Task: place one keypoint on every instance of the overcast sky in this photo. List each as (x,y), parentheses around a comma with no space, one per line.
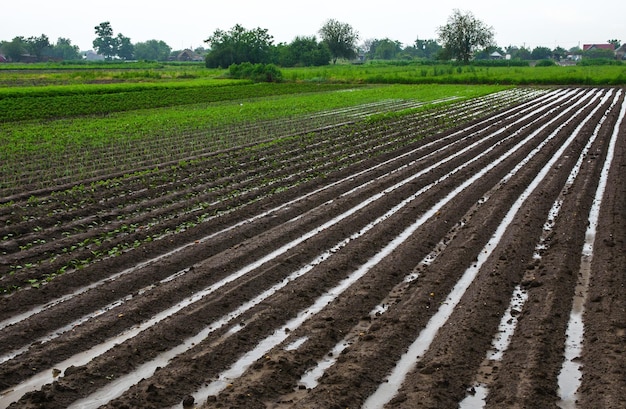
(187,23)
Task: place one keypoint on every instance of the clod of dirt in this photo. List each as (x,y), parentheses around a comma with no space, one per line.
(188,401)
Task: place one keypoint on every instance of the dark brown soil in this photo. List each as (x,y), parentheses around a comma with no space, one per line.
(265,224)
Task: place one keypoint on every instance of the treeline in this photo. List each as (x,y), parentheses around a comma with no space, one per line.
(36,49)
(256,46)
(40,49)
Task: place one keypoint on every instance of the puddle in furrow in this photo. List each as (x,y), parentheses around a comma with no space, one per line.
(296,344)
(507,325)
(477,394)
(281,334)
(569,378)
(387,390)
(60,331)
(476,397)
(310,378)
(20,317)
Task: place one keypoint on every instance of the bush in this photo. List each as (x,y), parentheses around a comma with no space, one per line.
(545,63)
(500,63)
(255,72)
(598,61)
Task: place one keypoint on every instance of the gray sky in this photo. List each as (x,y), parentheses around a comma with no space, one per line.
(187,23)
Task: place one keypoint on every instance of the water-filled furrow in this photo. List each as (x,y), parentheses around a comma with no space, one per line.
(569,378)
(476,397)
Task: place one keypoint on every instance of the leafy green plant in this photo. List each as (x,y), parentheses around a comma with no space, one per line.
(256,72)
(545,63)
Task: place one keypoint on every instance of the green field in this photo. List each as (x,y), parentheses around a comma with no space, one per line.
(458,74)
(60,119)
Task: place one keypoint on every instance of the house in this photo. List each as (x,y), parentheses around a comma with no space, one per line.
(599,50)
(3,58)
(620,53)
(588,47)
(495,55)
(91,55)
(188,55)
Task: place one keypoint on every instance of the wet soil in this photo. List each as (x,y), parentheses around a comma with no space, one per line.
(332,224)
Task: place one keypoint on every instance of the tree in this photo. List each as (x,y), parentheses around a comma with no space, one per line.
(105,44)
(38,46)
(109,46)
(559,53)
(384,49)
(426,48)
(239,45)
(152,50)
(463,34)
(541,53)
(64,50)
(616,43)
(125,49)
(15,48)
(303,52)
(340,38)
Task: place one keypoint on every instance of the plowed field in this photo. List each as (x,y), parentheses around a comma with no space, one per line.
(469,255)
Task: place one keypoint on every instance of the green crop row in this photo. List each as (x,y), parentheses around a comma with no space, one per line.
(75,147)
(71,101)
(19,75)
(233,105)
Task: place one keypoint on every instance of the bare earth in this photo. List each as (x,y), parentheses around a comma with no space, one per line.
(370,237)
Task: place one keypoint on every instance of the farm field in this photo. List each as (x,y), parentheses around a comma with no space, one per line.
(410,73)
(465,252)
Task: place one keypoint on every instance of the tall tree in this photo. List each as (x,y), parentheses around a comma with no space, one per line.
(616,43)
(106,44)
(38,46)
(559,53)
(125,49)
(15,48)
(541,53)
(152,50)
(340,38)
(303,52)
(239,45)
(427,48)
(463,34)
(384,49)
(64,50)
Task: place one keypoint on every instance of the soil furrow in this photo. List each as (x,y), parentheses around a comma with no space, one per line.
(356,264)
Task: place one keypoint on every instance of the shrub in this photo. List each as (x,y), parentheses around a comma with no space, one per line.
(255,72)
(545,63)
(599,61)
(500,63)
